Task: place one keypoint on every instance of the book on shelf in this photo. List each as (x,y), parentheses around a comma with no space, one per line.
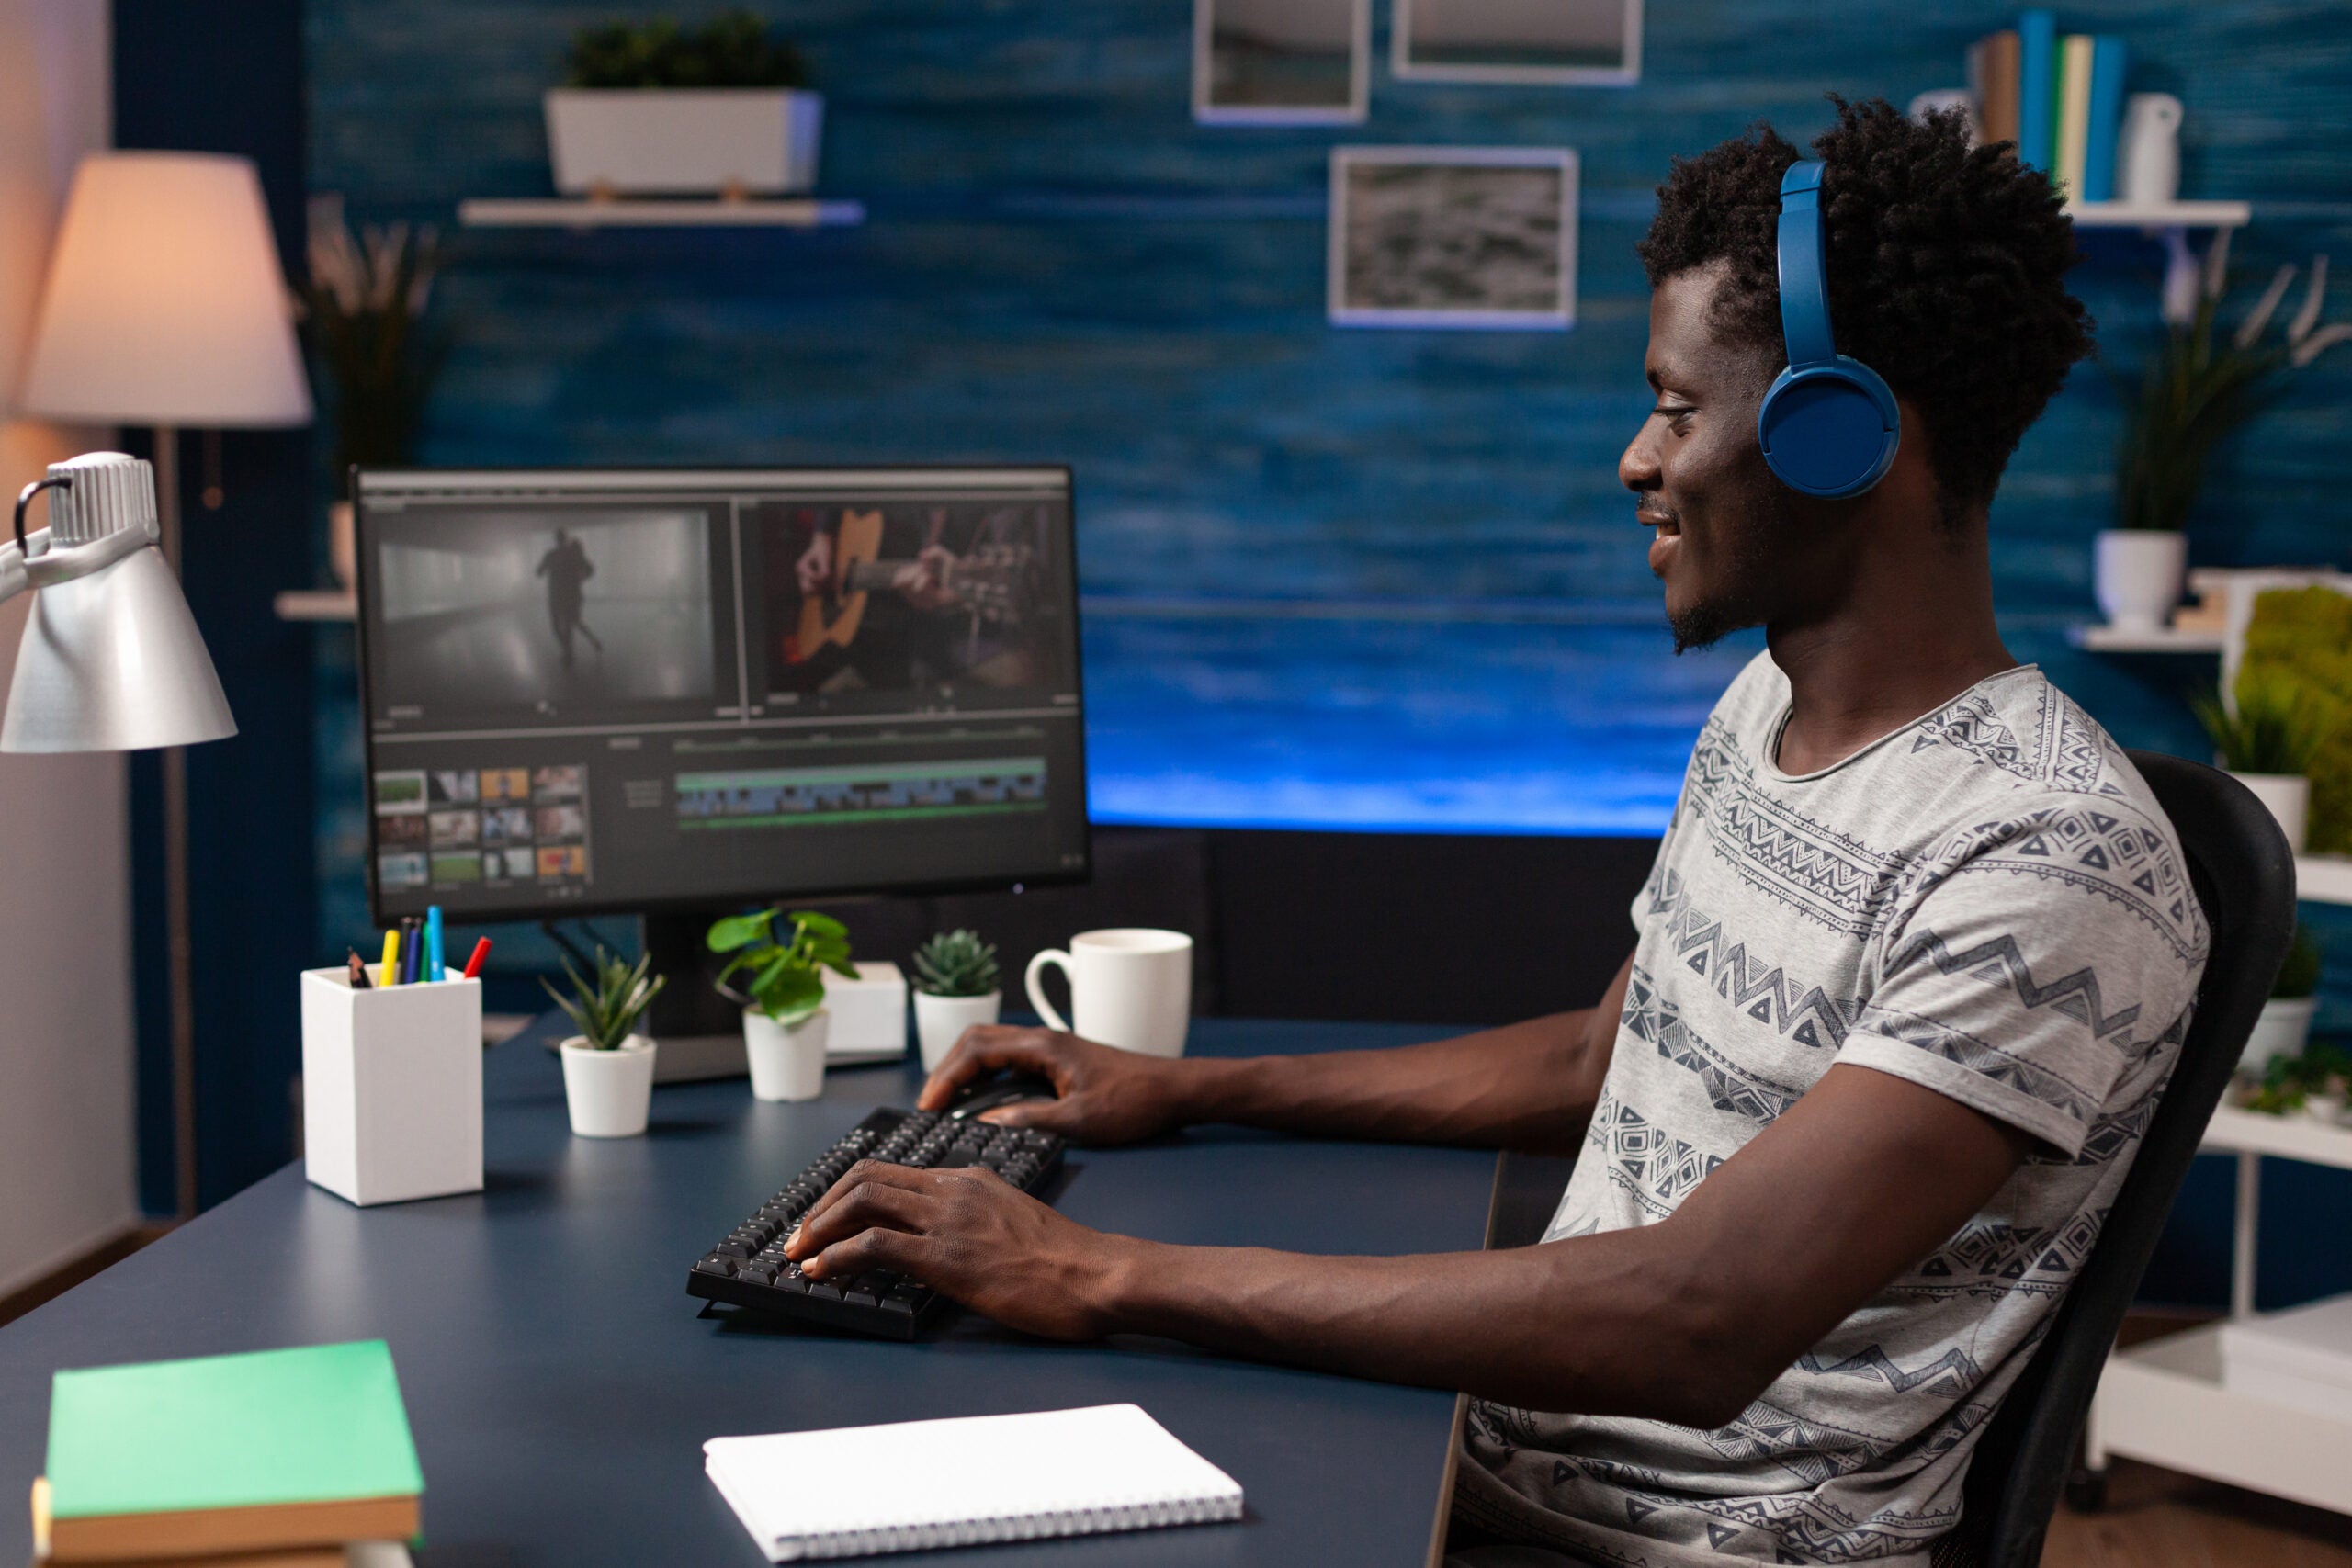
(263,1451)
(2108,61)
(2074,113)
(1993,71)
(2036,88)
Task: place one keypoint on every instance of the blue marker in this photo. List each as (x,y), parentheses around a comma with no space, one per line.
(434,970)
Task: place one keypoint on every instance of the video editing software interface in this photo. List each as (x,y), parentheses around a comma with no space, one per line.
(624,689)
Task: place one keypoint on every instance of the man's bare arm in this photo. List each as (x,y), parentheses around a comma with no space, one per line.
(1687,1320)
(1527,1086)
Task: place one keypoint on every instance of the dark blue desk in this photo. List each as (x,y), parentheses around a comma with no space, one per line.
(560,1384)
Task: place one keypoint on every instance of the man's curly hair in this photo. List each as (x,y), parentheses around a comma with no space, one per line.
(1947,268)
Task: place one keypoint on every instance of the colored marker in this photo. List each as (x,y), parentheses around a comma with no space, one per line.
(391,969)
(412,949)
(433,968)
(359,981)
(473,965)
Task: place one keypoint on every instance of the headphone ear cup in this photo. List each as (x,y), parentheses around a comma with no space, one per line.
(1829,430)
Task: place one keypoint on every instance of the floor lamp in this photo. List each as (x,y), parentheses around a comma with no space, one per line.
(166,306)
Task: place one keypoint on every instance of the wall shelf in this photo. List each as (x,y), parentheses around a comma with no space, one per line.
(317,605)
(2324,879)
(2164,639)
(2161,214)
(590,212)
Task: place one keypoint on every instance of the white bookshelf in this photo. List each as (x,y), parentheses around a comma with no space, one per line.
(2161,214)
(317,605)
(619,212)
(2164,639)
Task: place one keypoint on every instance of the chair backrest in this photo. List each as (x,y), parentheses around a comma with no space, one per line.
(2244,877)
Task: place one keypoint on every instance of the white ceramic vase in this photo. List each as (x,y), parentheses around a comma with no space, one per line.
(940,1022)
(684,140)
(2284,1026)
(609,1093)
(2136,574)
(2288,798)
(787,1061)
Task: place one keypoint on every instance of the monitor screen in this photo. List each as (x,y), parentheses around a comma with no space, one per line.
(603,690)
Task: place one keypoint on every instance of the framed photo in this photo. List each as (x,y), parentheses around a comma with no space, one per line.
(1281,62)
(1472,237)
(1566,42)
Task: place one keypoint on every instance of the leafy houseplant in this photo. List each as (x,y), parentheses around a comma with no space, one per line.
(2302,637)
(2269,743)
(957,985)
(784,995)
(654,108)
(2276,1048)
(2194,391)
(731,50)
(955,964)
(607,1070)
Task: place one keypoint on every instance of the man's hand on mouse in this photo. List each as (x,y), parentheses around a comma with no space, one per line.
(1107,1096)
(970,1233)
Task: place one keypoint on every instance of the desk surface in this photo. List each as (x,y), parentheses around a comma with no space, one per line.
(560,1385)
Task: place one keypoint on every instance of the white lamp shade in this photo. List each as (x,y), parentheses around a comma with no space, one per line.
(113,663)
(166,303)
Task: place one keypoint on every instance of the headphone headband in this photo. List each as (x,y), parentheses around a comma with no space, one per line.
(1804,272)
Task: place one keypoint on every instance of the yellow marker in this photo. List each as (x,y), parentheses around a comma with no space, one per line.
(391,970)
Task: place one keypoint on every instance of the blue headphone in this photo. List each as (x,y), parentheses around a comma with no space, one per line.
(1829,426)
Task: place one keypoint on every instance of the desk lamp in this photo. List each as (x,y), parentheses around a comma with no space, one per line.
(166,306)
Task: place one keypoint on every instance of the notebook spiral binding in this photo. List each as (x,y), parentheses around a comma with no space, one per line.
(1141,1515)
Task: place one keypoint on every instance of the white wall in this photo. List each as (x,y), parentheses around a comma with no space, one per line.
(67,1159)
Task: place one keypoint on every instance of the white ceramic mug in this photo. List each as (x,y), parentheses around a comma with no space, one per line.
(1131,988)
(2148,159)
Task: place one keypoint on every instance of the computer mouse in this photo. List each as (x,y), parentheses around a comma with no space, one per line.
(990,1090)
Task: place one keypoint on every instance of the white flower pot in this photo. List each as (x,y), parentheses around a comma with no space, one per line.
(609,1093)
(2284,1026)
(2137,573)
(2288,798)
(787,1062)
(940,1022)
(684,140)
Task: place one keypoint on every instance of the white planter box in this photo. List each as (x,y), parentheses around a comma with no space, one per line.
(2288,797)
(786,1063)
(684,140)
(869,1015)
(2136,576)
(391,1088)
(2281,1030)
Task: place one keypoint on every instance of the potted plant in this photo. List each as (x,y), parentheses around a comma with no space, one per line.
(2286,1021)
(652,109)
(784,996)
(375,364)
(2194,393)
(2266,743)
(955,987)
(608,1066)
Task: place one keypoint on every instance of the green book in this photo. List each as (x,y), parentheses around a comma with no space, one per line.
(222,1453)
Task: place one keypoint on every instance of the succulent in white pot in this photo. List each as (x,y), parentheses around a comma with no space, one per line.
(2265,740)
(654,109)
(957,985)
(2284,1025)
(783,995)
(608,1066)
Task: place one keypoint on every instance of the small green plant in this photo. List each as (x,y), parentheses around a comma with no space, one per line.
(2278,727)
(2299,975)
(2288,1082)
(784,983)
(363,316)
(955,964)
(607,1008)
(731,50)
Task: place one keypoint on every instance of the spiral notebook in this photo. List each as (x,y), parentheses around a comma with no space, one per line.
(964,1482)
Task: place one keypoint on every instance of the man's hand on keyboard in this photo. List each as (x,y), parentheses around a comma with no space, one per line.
(1107,1096)
(971,1234)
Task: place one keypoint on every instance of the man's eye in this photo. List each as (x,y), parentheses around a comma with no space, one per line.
(1673,412)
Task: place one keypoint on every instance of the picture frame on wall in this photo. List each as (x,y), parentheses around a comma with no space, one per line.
(1471,238)
(1568,43)
(1281,61)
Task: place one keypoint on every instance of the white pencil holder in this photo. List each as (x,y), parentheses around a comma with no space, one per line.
(391,1088)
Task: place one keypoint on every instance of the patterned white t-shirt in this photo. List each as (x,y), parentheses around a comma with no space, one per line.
(1989,902)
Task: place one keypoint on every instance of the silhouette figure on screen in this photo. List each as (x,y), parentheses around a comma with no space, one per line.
(567,569)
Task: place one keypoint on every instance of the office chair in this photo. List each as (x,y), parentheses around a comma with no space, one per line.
(2244,877)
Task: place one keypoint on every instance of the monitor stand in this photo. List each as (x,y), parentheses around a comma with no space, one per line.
(698,1032)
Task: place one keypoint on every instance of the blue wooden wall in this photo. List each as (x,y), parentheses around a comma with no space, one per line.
(1332,578)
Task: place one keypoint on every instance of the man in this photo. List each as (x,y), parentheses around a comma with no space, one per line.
(567,569)
(1913,966)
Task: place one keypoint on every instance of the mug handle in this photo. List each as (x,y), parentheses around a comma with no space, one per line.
(1029,982)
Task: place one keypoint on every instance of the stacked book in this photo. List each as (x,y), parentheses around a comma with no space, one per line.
(2058,96)
(282,1458)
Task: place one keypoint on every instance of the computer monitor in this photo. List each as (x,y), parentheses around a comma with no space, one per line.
(687,690)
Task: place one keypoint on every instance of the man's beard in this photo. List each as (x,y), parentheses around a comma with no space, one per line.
(1749,570)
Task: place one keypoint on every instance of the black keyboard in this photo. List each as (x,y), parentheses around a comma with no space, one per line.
(748,1268)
